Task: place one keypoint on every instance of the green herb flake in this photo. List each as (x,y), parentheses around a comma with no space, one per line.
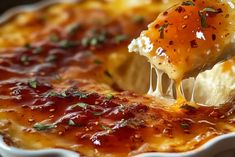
(82,105)
(33,84)
(161,29)
(184,125)
(94,42)
(58,78)
(54,38)
(138,19)
(37,50)
(98,62)
(80,95)
(85,42)
(109,96)
(63,94)
(51,58)
(67,44)
(121,108)
(96,39)
(105,128)
(102,37)
(98,113)
(24,59)
(43,127)
(73,29)
(28,46)
(188,3)
(71,122)
(52,94)
(120,38)
(202,16)
(211,10)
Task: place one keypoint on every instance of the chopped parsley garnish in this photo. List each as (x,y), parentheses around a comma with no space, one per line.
(85,42)
(42,127)
(96,61)
(98,113)
(33,84)
(67,93)
(71,122)
(184,125)
(188,3)
(74,28)
(24,59)
(51,58)
(51,94)
(105,128)
(54,38)
(120,38)
(109,96)
(37,50)
(202,15)
(211,10)
(58,77)
(81,105)
(138,19)
(79,94)
(63,94)
(102,37)
(95,39)
(67,44)
(161,29)
(121,108)
(28,46)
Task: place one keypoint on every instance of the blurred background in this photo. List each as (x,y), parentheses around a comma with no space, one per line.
(6,4)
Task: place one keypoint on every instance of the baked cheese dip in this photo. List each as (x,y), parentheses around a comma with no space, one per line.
(68,81)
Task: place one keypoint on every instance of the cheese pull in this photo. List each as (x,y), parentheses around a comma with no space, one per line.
(189,38)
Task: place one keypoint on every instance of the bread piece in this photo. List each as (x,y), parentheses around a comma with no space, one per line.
(189,37)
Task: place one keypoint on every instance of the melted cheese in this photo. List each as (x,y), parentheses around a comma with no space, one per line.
(187,39)
(75,95)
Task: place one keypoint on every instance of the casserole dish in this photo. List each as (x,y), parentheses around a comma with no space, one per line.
(212,147)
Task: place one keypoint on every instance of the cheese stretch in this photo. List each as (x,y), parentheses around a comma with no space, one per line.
(186,40)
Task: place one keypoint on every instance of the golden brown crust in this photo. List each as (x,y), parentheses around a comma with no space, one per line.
(57,89)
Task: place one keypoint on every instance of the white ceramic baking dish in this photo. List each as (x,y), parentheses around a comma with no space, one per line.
(221,146)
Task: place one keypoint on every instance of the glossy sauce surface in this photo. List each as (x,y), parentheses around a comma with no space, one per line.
(56,92)
(191,36)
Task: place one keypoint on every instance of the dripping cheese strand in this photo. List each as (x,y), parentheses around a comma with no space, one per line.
(193,91)
(158,91)
(151,80)
(169,91)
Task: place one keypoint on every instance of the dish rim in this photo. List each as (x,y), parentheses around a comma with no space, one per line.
(18,152)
